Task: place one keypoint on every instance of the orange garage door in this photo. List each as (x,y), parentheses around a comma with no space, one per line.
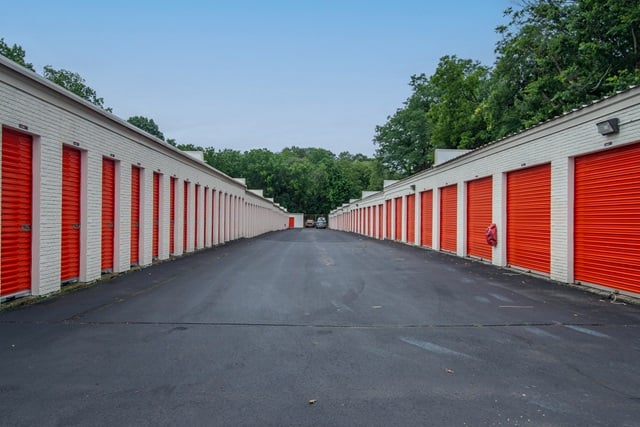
(197,217)
(70,233)
(426,218)
(529,218)
(135,216)
(479,216)
(16,213)
(411,218)
(607,218)
(108,213)
(398,202)
(172,215)
(156,216)
(185,216)
(388,224)
(292,222)
(449,218)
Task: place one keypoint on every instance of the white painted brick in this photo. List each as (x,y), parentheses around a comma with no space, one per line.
(556,142)
(54,119)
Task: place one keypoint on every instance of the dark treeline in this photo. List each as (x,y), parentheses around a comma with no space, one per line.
(553,56)
(309,180)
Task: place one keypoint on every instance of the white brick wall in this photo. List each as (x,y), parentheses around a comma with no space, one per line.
(54,118)
(556,142)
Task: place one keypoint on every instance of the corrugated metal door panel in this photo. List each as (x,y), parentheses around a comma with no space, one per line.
(398,204)
(108,213)
(529,218)
(449,218)
(411,218)
(197,217)
(172,215)
(388,231)
(220,216)
(205,203)
(374,221)
(156,215)
(70,232)
(135,215)
(292,222)
(380,230)
(426,218)
(479,216)
(15,261)
(185,216)
(369,222)
(607,218)
(213,216)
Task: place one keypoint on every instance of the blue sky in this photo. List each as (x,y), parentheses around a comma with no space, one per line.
(255,74)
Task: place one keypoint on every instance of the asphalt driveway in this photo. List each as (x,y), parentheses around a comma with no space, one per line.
(317,327)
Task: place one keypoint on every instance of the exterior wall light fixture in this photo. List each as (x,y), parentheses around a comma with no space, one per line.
(608,127)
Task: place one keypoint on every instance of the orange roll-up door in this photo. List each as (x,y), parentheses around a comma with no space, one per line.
(70,233)
(388,225)
(411,218)
(135,215)
(607,218)
(479,216)
(156,215)
(204,216)
(449,218)
(398,206)
(529,218)
(213,216)
(185,216)
(172,215)
(108,213)
(374,223)
(291,222)
(15,261)
(426,218)
(220,217)
(197,217)
(380,230)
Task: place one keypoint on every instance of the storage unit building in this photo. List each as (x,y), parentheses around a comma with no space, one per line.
(83,192)
(564,196)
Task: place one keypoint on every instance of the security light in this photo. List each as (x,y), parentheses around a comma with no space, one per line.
(608,127)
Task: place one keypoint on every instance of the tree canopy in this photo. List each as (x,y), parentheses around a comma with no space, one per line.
(74,83)
(310,180)
(553,56)
(15,53)
(147,125)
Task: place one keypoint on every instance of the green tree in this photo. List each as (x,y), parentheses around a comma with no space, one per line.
(15,53)
(404,142)
(460,89)
(147,125)
(229,161)
(74,83)
(556,55)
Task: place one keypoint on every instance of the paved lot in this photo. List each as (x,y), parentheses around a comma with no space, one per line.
(376,333)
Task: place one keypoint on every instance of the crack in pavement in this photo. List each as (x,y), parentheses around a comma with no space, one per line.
(74,321)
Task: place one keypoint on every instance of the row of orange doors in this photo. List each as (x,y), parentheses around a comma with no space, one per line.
(606,222)
(17,228)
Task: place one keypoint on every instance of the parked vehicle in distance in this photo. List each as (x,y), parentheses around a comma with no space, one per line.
(321,223)
(309,223)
